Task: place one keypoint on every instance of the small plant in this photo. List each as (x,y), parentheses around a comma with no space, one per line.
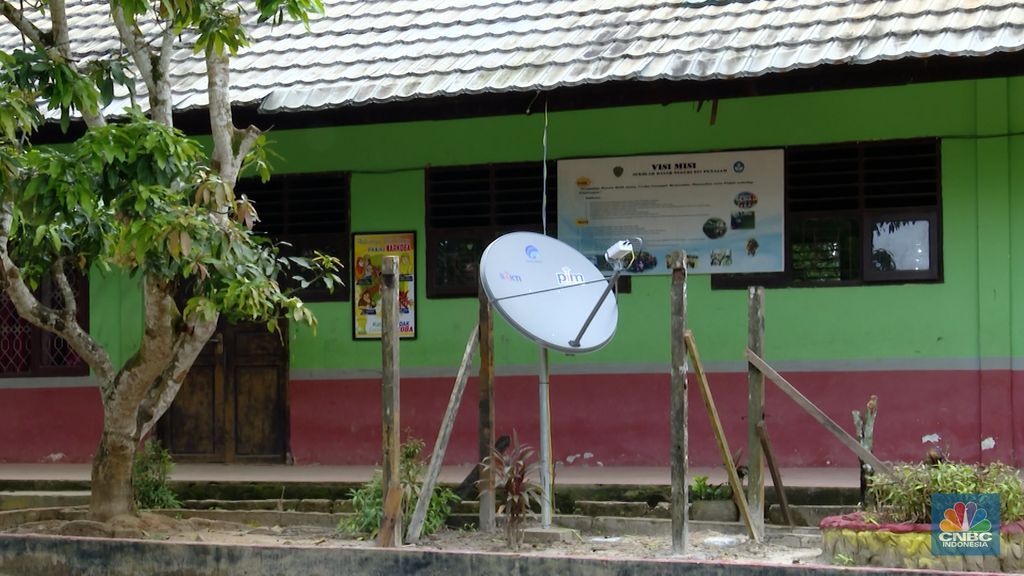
(514,472)
(701,489)
(905,495)
(368,501)
(843,560)
(150,470)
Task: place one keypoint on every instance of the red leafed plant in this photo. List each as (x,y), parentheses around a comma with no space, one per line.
(515,473)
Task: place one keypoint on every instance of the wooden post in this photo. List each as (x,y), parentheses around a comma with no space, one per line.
(755,409)
(486,383)
(441,445)
(720,439)
(391,521)
(680,449)
(865,428)
(816,413)
(769,456)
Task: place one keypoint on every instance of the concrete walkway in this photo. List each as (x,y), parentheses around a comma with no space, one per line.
(564,475)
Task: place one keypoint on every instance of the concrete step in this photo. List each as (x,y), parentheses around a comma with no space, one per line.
(808,515)
(24,499)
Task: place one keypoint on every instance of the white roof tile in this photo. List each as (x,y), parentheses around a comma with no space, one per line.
(360,52)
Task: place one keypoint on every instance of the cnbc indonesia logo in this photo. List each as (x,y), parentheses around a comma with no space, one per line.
(964,526)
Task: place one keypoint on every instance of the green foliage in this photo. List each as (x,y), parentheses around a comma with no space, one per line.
(152,467)
(368,501)
(701,489)
(514,473)
(905,494)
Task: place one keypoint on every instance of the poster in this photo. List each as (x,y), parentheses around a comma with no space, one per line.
(725,209)
(368,252)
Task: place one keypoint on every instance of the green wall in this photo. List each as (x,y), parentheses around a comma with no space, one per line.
(970,315)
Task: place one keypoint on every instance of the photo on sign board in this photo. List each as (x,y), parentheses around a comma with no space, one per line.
(715,228)
(721,257)
(742,220)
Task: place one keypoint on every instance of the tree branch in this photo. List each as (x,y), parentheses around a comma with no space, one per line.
(222,129)
(164,389)
(42,316)
(59,32)
(25,26)
(249,136)
(56,44)
(135,42)
(66,293)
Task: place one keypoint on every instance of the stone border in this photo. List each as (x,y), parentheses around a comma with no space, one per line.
(58,556)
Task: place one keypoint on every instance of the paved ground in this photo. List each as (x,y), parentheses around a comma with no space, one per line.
(571,475)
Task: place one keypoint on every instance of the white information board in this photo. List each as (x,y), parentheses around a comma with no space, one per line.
(724,208)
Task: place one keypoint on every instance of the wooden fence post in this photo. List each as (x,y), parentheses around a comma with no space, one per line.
(680,536)
(755,410)
(486,385)
(391,521)
(419,516)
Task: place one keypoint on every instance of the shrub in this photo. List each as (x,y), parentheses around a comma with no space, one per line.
(905,495)
(701,489)
(150,470)
(368,501)
(514,473)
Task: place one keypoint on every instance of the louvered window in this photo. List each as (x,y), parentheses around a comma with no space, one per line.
(308,212)
(468,207)
(858,213)
(27,351)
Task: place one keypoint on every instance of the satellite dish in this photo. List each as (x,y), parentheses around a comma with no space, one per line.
(547,290)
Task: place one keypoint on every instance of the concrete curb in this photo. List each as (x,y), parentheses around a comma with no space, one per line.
(52,556)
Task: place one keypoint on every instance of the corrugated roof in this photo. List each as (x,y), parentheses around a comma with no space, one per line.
(363,52)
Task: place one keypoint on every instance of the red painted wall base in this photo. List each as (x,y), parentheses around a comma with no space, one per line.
(607,419)
(623,420)
(49,424)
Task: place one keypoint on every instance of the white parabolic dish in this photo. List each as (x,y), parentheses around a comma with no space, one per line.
(546,290)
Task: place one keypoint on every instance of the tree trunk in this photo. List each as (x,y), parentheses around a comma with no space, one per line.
(112,492)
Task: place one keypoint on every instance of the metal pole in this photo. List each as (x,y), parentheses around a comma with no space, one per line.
(575,342)
(545,440)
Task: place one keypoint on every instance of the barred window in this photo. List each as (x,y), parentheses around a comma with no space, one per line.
(27,351)
(469,206)
(308,212)
(859,213)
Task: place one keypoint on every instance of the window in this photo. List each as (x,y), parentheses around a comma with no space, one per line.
(27,351)
(468,207)
(858,213)
(309,212)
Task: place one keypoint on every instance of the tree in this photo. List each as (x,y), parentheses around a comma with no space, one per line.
(138,195)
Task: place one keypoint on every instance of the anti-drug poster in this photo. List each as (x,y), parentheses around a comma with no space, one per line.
(725,209)
(368,252)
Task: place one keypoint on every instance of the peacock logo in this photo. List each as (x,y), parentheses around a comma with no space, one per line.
(965,517)
(965,524)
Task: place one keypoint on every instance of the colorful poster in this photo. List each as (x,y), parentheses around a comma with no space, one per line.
(725,209)
(368,252)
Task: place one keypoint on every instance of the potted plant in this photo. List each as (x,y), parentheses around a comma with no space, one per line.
(712,502)
(897,531)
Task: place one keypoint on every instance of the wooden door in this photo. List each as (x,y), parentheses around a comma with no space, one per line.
(233,404)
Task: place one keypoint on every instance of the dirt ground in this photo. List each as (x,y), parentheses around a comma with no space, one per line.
(704,545)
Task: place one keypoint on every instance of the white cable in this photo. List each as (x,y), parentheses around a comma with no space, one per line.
(544,185)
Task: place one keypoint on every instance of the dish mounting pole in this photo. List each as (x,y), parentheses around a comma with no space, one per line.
(545,439)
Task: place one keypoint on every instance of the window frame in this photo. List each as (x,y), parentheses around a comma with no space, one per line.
(863,216)
(295,180)
(39,337)
(485,234)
